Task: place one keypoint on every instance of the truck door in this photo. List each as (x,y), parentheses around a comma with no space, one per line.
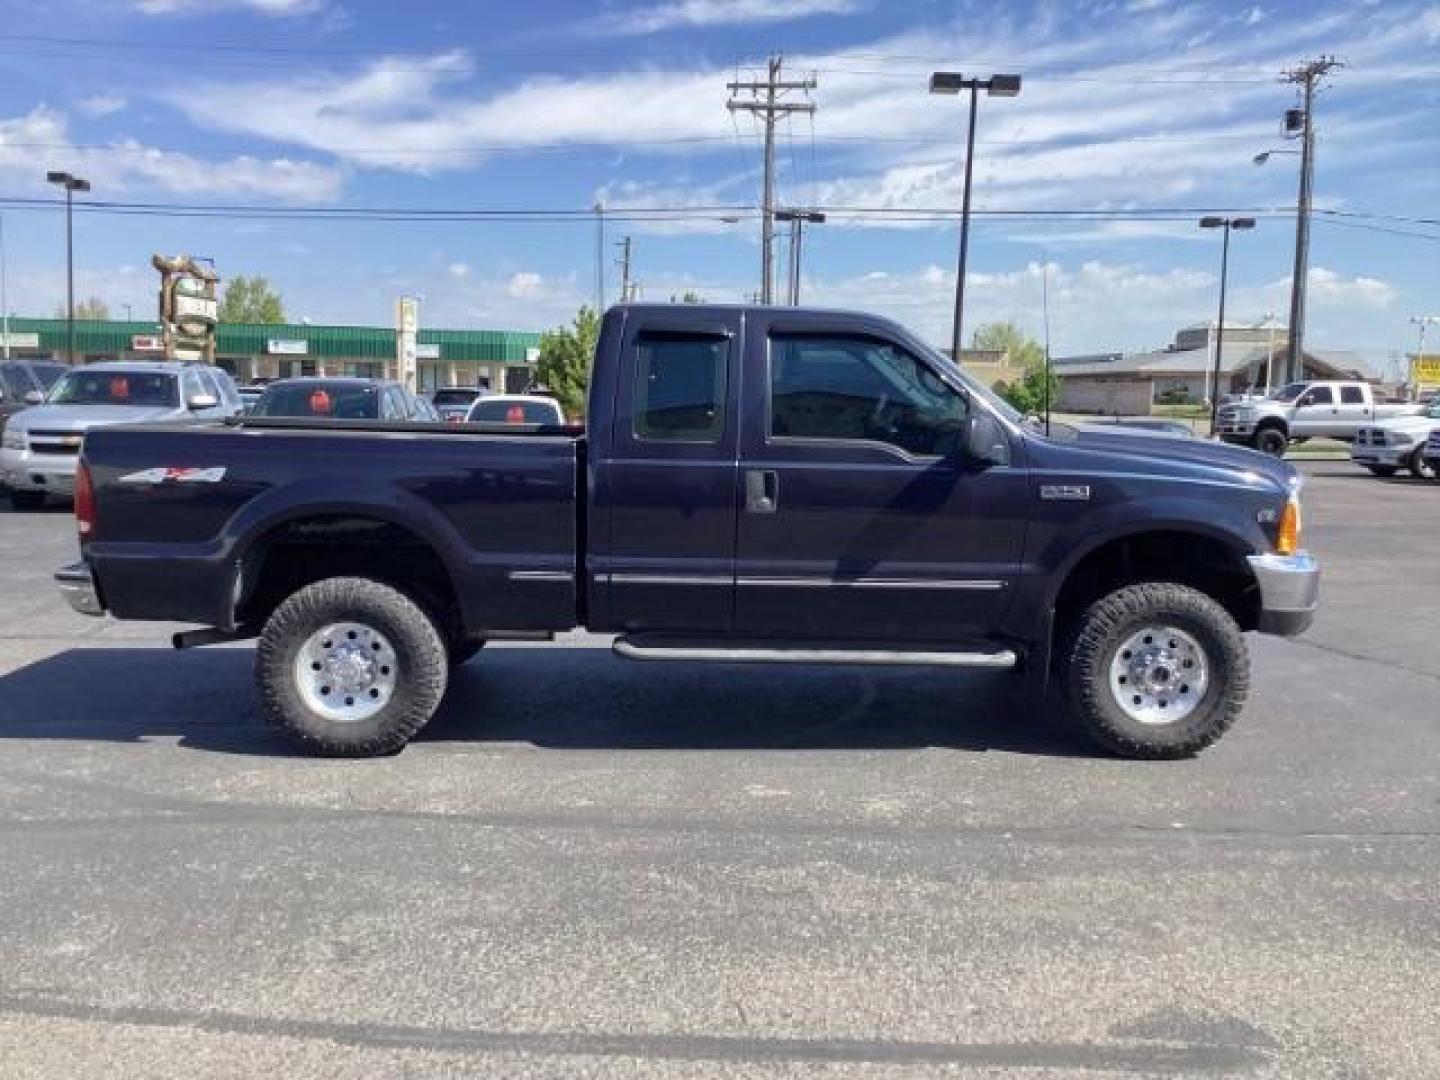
(1316,412)
(663,552)
(861,515)
(1355,410)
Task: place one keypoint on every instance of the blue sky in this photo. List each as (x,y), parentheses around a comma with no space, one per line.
(359,103)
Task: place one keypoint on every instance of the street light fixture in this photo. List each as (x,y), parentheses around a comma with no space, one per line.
(1227,224)
(1264,155)
(71,184)
(952,82)
(797,219)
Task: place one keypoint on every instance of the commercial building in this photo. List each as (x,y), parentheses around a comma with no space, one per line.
(1251,358)
(499,359)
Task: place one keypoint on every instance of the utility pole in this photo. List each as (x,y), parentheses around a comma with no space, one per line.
(1305,76)
(766,101)
(624,261)
(599,257)
(797,220)
(4,297)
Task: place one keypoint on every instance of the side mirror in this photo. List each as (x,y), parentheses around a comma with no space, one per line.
(985,440)
(197,402)
(34,397)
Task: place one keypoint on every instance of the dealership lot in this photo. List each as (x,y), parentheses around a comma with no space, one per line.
(590,867)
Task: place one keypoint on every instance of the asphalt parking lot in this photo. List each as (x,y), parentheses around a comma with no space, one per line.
(591,868)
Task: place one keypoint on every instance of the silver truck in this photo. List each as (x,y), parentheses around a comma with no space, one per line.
(1388,446)
(1320,409)
(41,445)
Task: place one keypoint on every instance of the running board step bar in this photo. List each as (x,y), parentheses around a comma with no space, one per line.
(779,654)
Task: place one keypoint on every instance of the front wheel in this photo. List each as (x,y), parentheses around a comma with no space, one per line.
(350,667)
(26,500)
(1157,670)
(1272,441)
(1419,467)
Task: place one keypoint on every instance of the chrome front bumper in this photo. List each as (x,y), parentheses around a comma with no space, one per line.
(1289,591)
(77,585)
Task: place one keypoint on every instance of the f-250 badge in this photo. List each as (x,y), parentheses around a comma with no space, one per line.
(1078,492)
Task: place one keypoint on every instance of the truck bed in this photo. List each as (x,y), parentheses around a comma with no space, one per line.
(497,503)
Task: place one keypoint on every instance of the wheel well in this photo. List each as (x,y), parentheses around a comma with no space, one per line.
(310,549)
(1271,422)
(1202,562)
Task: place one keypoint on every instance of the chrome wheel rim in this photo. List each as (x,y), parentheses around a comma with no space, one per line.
(1159,674)
(346,671)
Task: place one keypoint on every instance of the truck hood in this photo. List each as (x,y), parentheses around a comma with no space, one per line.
(1410,424)
(84,417)
(1160,449)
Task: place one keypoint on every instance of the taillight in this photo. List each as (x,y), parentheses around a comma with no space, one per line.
(84,502)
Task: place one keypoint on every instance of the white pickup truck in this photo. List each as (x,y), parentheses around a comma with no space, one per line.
(1388,446)
(1305,410)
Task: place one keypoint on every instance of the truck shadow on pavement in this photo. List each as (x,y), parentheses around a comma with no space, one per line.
(550,697)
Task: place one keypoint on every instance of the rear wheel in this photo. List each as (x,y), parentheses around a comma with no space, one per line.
(350,667)
(27,500)
(1383,470)
(1270,440)
(1419,467)
(1158,670)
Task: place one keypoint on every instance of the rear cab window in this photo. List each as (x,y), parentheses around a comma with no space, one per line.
(680,386)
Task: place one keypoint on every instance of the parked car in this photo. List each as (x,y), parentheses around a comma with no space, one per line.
(1304,410)
(40,446)
(421,409)
(1151,425)
(755,484)
(249,395)
(24,383)
(1399,443)
(453,402)
(1432,452)
(515,409)
(340,398)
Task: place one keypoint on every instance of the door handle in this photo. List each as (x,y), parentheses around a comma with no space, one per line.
(762,491)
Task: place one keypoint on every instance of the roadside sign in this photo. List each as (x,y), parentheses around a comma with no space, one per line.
(1425,370)
(147,343)
(287,347)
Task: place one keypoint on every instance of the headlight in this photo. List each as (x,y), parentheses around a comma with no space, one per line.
(14,439)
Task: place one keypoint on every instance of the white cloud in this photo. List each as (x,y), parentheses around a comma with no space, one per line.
(278,8)
(667,16)
(101,104)
(459,269)
(524,284)
(126,164)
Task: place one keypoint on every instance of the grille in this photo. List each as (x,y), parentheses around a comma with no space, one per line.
(63,443)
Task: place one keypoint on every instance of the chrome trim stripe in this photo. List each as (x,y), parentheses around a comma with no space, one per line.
(967,584)
(541,575)
(1005,658)
(669,579)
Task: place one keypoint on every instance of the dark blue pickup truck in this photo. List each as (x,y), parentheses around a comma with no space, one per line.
(753,484)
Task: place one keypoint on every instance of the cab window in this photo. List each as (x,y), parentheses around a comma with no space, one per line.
(856,388)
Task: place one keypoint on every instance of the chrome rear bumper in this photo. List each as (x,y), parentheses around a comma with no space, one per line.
(77,585)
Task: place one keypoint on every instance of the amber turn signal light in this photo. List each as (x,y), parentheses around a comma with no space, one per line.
(1287,541)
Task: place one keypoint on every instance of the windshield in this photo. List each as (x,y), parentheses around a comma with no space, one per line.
(500,411)
(1289,392)
(139,389)
(334,401)
(454,397)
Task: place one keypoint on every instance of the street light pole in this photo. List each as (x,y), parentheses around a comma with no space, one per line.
(952,82)
(71,184)
(1227,224)
(4,294)
(797,219)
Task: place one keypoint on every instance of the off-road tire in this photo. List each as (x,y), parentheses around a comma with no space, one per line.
(1383,471)
(1419,467)
(421,658)
(1096,636)
(1270,440)
(27,500)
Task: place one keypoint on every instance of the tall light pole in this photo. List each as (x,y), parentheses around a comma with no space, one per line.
(797,220)
(1269,351)
(71,184)
(1227,224)
(4,295)
(952,82)
(599,257)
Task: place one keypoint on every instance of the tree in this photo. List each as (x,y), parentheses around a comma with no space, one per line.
(565,356)
(93,308)
(1024,351)
(251,300)
(1026,393)
(692,297)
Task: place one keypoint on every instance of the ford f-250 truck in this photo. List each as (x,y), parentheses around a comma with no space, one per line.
(753,484)
(1304,410)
